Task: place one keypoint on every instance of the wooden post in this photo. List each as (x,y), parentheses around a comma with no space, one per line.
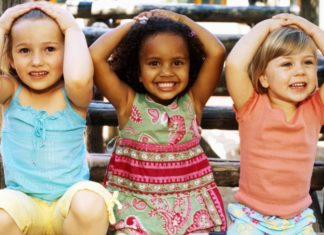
(308,9)
(94,138)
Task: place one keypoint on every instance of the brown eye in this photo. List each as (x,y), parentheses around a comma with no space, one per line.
(153,63)
(309,62)
(287,64)
(23,50)
(178,63)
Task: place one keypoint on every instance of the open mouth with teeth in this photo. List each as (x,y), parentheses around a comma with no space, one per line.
(40,74)
(166,85)
(298,85)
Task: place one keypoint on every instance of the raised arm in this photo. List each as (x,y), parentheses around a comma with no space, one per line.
(7,84)
(238,80)
(309,28)
(211,69)
(115,90)
(77,66)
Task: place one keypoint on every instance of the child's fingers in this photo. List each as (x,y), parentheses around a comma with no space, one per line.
(297,22)
(145,14)
(158,12)
(165,13)
(281,16)
(8,17)
(64,18)
(50,9)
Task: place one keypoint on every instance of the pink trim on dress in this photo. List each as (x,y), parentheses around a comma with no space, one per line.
(162,180)
(147,147)
(165,164)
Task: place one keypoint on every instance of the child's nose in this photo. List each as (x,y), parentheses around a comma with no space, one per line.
(166,70)
(37,59)
(300,68)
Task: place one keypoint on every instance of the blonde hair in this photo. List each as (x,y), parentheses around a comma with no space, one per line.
(5,67)
(281,42)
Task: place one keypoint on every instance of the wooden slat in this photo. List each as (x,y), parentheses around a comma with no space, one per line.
(226,172)
(220,117)
(104,10)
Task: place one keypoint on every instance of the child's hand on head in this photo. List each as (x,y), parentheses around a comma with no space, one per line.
(64,19)
(11,14)
(158,12)
(296,21)
(273,24)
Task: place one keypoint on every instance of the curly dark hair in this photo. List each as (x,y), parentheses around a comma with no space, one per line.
(125,59)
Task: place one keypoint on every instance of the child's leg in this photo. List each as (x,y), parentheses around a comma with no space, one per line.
(18,213)
(86,207)
(308,230)
(8,225)
(87,214)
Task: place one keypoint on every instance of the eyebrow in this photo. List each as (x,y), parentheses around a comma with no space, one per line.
(43,43)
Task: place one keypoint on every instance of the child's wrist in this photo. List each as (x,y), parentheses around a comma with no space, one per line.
(182,18)
(72,28)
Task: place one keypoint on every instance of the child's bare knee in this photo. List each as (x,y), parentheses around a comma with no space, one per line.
(7,224)
(87,205)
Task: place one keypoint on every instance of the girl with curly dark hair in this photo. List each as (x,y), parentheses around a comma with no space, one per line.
(158,71)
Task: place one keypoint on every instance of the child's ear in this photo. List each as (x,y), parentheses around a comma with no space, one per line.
(11,63)
(264,81)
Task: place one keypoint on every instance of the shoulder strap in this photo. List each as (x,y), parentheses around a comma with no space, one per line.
(17,92)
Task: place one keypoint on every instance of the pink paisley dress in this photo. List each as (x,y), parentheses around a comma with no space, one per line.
(164,179)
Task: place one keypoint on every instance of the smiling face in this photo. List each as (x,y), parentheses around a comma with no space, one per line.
(164,65)
(291,78)
(37,51)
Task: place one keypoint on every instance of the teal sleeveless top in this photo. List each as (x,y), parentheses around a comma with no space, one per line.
(43,155)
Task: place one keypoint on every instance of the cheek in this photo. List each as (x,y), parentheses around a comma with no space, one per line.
(184,74)
(147,74)
(18,64)
(58,64)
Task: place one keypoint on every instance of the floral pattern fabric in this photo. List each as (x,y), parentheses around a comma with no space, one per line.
(164,179)
(247,221)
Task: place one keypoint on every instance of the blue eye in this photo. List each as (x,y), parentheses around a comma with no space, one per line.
(50,49)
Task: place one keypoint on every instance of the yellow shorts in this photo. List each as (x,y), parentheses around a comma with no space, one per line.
(34,216)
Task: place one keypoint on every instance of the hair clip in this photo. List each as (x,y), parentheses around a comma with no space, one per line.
(192,33)
(143,20)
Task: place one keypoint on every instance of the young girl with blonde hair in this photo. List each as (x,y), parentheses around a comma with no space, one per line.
(271,75)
